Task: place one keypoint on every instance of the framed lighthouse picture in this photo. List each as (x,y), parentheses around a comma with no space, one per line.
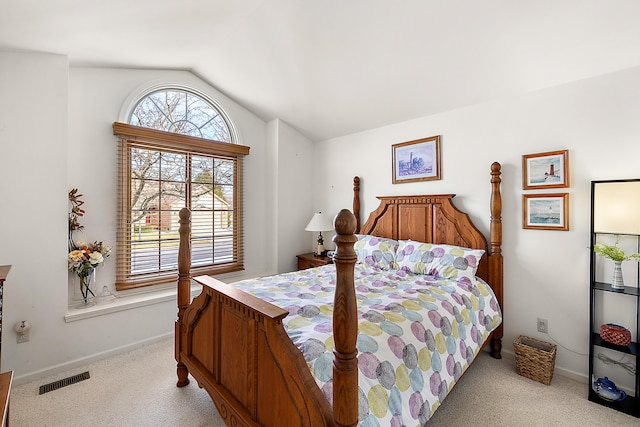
(545,170)
(545,211)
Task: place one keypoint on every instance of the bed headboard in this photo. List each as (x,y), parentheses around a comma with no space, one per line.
(430,219)
(435,219)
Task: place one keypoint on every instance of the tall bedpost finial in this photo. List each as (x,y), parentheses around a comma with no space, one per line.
(495,258)
(184,261)
(496,209)
(356,201)
(184,289)
(345,322)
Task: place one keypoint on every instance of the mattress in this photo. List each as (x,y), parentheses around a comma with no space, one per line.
(417,334)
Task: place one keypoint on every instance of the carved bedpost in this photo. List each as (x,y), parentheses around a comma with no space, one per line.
(495,259)
(345,323)
(184,288)
(356,201)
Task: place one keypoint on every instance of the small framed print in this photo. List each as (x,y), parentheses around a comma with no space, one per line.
(545,170)
(545,211)
(417,160)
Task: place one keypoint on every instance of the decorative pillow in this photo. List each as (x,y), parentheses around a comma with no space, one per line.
(376,251)
(446,261)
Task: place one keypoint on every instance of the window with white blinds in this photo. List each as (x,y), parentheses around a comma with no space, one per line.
(159,174)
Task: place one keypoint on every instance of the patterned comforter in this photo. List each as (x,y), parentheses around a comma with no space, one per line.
(417,334)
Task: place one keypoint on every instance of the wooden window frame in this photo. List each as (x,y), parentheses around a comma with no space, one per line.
(129,137)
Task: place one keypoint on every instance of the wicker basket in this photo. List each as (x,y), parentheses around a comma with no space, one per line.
(535,359)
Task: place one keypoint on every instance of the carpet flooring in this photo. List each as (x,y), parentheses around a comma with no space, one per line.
(138,388)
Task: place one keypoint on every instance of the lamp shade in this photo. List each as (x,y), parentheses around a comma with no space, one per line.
(319,222)
(617,207)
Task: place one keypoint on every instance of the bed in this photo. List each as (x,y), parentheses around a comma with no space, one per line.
(249,350)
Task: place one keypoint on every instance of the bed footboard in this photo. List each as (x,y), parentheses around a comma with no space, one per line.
(236,348)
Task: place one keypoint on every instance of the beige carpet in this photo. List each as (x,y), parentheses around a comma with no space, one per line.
(138,389)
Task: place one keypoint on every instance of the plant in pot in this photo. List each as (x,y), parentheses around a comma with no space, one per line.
(617,255)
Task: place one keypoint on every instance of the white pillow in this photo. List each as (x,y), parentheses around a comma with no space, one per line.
(445,261)
(376,251)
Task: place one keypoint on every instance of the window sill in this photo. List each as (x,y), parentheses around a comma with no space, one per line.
(129,300)
(126,302)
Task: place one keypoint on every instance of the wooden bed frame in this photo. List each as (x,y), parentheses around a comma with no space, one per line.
(235,346)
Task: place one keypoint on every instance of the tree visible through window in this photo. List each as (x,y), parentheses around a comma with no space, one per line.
(180,112)
(177,152)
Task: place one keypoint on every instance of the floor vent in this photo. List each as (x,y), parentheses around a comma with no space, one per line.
(64,382)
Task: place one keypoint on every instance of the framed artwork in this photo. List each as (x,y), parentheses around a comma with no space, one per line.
(545,211)
(545,170)
(417,160)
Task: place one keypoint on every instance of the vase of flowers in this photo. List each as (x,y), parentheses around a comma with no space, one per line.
(617,255)
(86,280)
(83,260)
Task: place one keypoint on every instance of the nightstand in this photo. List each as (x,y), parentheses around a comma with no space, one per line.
(310,261)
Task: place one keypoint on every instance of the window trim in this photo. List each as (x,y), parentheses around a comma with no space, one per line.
(193,87)
(169,140)
(128,136)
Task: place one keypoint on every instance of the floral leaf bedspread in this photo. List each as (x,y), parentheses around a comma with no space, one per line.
(417,334)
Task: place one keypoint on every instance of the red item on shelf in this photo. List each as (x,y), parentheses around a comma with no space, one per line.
(615,334)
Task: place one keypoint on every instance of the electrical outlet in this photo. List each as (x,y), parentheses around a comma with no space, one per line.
(543,325)
(23,337)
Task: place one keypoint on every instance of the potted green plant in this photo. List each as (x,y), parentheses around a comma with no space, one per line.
(617,255)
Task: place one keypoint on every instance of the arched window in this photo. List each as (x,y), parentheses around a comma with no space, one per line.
(180,111)
(177,151)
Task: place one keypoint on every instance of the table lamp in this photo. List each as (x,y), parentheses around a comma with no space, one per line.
(319,222)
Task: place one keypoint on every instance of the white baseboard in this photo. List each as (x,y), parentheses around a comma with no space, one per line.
(79,363)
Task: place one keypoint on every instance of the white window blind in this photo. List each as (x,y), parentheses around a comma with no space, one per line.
(159,174)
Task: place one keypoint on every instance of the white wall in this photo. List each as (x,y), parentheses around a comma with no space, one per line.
(546,272)
(33,149)
(56,134)
(293,168)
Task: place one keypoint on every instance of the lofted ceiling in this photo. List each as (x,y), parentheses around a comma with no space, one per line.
(335,67)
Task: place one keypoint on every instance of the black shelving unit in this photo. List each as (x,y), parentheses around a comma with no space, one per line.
(631,404)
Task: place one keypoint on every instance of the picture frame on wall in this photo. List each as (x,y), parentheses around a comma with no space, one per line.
(545,170)
(545,211)
(417,160)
